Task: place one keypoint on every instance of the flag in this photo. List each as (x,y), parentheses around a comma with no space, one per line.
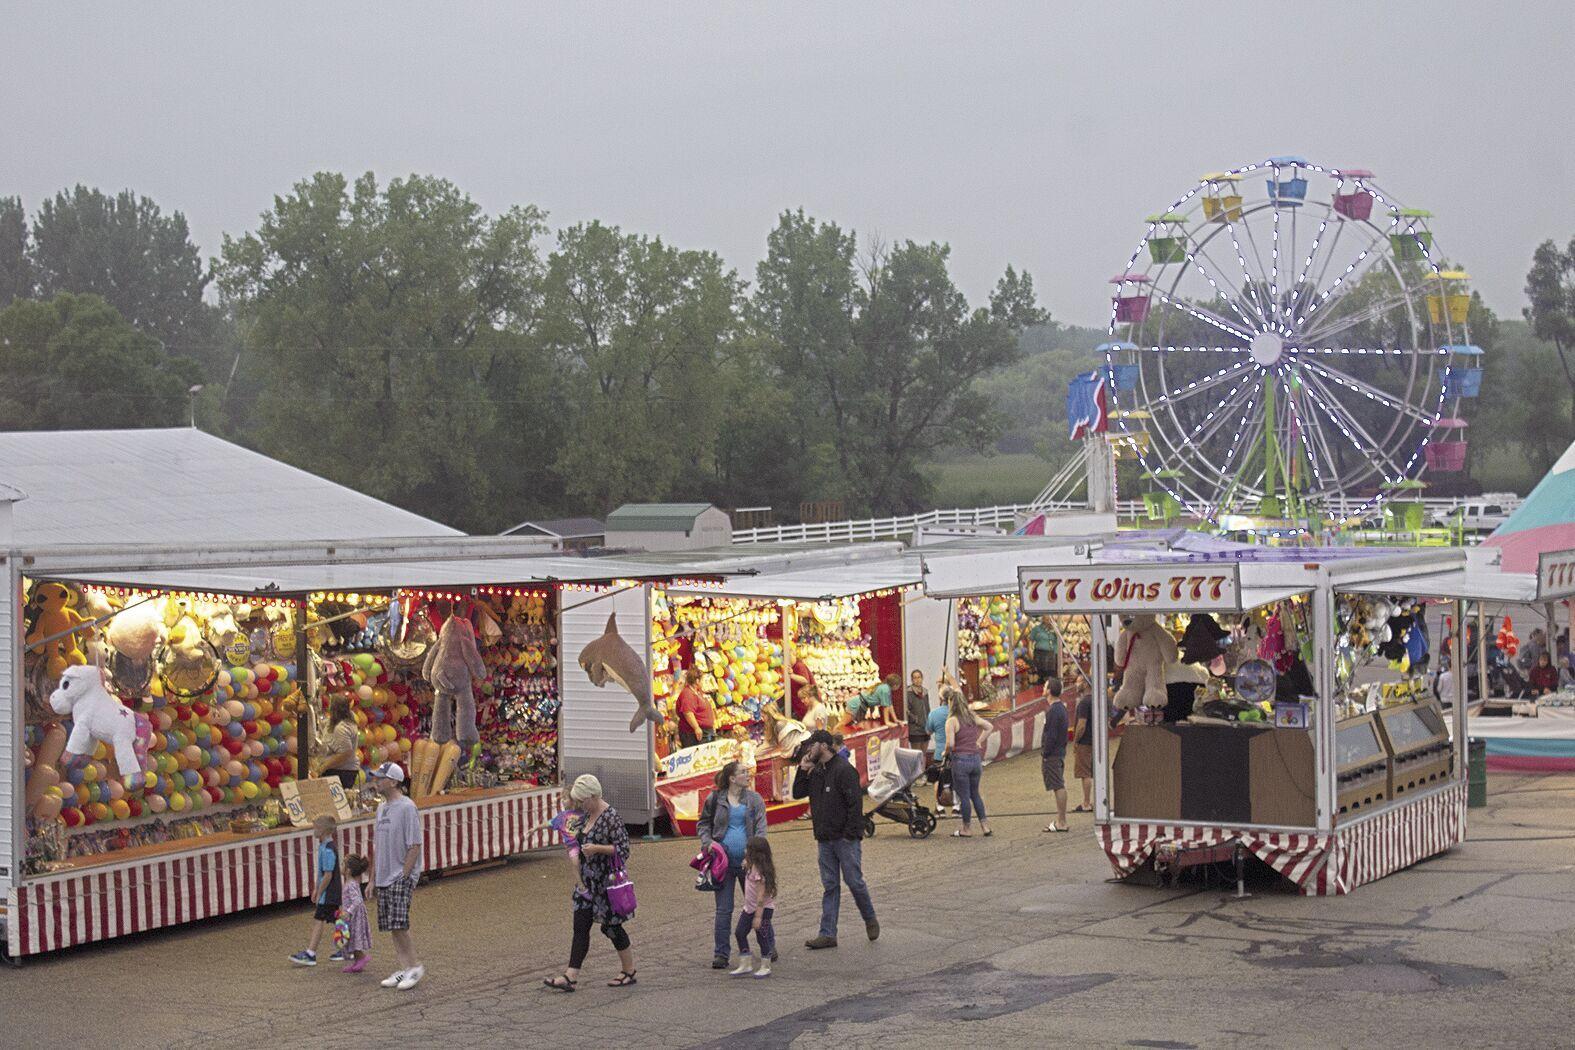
(1085,405)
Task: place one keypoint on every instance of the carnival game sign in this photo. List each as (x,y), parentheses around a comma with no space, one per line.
(1130,588)
(1555,575)
(701,758)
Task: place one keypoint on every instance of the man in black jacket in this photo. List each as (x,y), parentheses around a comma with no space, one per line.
(836,812)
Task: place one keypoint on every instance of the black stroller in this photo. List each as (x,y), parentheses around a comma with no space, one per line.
(891,793)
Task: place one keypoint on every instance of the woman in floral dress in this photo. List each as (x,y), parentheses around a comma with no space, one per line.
(602,838)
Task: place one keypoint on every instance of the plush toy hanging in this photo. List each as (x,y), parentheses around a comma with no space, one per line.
(95,715)
(54,628)
(453,666)
(1203,640)
(1507,640)
(1144,650)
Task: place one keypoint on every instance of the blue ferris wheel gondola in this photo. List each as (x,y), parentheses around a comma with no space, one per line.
(1124,377)
(1464,379)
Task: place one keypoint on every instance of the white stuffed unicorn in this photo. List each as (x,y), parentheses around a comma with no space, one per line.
(96,715)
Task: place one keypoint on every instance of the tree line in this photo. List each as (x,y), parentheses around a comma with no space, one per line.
(481,369)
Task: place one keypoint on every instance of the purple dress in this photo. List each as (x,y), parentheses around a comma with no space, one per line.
(353,908)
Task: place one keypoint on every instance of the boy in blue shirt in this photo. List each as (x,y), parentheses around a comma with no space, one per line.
(326,892)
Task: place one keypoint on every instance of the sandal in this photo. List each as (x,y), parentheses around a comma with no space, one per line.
(624,979)
(1054,827)
(988,833)
(1082,809)
(560,983)
(962,834)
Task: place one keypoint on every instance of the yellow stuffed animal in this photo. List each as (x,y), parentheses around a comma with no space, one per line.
(55,617)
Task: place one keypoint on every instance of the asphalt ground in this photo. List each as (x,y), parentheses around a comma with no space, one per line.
(1017,940)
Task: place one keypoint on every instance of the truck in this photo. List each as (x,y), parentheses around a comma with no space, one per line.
(1480,513)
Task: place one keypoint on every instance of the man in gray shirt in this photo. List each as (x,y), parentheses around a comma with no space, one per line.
(396,860)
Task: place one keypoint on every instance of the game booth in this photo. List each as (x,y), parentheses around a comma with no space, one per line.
(157,708)
(838,626)
(1273,704)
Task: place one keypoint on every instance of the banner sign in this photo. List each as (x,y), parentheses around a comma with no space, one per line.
(1130,588)
(1555,575)
(701,758)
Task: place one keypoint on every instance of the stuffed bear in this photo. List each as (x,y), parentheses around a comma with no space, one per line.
(95,715)
(136,632)
(453,665)
(55,617)
(1144,650)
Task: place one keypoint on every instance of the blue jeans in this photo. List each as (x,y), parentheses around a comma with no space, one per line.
(842,859)
(967,770)
(724,908)
(766,938)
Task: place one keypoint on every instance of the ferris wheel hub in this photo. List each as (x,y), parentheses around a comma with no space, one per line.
(1267,349)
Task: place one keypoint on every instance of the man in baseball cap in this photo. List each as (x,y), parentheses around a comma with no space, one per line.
(396,859)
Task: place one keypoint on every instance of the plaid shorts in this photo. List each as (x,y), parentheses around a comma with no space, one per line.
(393,905)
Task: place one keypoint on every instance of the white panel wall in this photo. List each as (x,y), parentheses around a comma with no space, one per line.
(10,725)
(593,735)
(929,637)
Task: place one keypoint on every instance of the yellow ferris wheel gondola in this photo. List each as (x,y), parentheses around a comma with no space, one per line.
(1448,294)
(1133,441)
(1222,198)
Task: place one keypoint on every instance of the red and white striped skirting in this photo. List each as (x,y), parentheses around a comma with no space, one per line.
(1319,864)
(110,900)
(1016,731)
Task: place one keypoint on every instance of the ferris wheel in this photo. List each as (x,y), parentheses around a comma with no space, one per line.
(1286,341)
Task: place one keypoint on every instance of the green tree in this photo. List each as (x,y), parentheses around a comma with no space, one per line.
(73,361)
(16,270)
(882,353)
(644,336)
(379,326)
(1550,287)
(125,250)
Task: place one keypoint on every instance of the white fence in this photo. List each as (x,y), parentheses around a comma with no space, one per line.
(1005,516)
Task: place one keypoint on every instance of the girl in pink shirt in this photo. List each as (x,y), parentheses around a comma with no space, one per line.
(760,899)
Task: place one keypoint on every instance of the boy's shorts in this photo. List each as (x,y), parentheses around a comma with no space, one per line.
(326,912)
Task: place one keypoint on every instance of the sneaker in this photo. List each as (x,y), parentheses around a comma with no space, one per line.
(339,956)
(304,958)
(820,942)
(764,971)
(412,978)
(872,928)
(719,962)
(393,979)
(744,968)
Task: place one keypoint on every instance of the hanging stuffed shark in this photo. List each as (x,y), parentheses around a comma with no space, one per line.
(610,658)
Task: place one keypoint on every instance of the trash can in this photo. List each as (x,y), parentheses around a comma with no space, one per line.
(1476,772)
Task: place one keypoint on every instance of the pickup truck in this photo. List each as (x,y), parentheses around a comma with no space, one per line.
(1479,515)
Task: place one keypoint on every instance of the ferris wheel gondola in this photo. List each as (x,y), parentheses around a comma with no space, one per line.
(1287,341)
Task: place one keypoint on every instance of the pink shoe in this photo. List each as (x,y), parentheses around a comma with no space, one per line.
(357,966)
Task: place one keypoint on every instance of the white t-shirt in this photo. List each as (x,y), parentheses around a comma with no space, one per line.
(397,828)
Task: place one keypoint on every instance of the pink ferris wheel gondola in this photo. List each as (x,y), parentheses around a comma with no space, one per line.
(1358,203)
(1132,302)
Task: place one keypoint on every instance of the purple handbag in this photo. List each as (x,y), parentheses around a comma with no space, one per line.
(620,890)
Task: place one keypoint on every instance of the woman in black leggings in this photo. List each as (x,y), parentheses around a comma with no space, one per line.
(343,737)
(602,839)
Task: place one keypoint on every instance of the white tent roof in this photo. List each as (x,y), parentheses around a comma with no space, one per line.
(178,486)
(831,581)
(1470,584)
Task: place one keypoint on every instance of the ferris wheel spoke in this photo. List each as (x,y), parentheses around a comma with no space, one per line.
(1299,288)
(1207,316)
(1216,417)
(1272,314)
(1319,441)
(1371,392)
(1359,267)
(1347,422)
(1198,386)
(1299,428)
(1246,433)
(1252,293)
(1334,323)
(1196,255)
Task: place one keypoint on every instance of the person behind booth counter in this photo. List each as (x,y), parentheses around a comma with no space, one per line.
(396,859)
(916,706)
(343,737)
(816,714)
(1041,643)
(800,675)
(1544,677)
(836,810)
(693,711)
(603,845)
(732,815)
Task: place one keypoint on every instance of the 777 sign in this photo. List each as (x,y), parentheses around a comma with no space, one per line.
(1168,588)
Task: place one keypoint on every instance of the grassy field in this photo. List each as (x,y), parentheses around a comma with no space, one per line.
(983,481)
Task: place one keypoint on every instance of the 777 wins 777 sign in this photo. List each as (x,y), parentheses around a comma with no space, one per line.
(1060,590)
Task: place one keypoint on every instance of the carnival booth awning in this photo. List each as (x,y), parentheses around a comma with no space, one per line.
(1545,522)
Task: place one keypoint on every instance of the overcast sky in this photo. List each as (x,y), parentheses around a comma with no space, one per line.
(1032,134)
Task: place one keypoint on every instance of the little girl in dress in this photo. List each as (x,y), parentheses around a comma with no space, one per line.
(352,912)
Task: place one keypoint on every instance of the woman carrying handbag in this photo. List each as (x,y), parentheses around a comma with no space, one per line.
(604,894)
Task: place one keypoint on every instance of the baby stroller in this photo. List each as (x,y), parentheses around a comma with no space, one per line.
(891,792)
